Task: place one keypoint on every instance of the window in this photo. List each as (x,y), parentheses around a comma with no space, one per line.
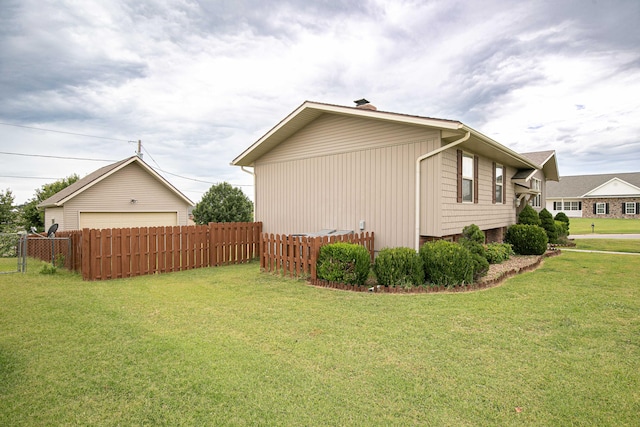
(630,209)
(467,178)
(535,201)
(499,184)
(601,208)
(568,206)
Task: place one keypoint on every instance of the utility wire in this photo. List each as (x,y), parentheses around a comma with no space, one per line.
(56,157)
(64,132)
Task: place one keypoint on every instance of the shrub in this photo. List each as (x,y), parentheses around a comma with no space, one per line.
(399,267)
(527,239)
(561,216)
(562,230)
(473,239)
(498,252)
(528,216)
(446,264)
(549,225)
(48,269)
(344,263)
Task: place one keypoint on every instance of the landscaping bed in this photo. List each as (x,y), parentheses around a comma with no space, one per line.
(497,274)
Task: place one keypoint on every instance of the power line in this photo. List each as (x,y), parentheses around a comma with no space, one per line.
(55,157)
(63,132)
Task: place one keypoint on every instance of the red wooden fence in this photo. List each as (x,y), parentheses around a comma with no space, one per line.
(296,256)
(127,252)
(66,247)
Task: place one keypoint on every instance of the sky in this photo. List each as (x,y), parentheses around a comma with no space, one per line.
(197,82)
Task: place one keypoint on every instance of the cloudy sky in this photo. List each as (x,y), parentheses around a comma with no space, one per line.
(199,81)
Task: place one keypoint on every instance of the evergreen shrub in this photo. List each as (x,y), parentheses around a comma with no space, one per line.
(447,264)
(398,267)
(473,239)
(529,216)
(547,222)
(561,216)
(498,252)
(527,239)
(344,263)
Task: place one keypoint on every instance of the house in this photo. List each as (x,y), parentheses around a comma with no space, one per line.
(596,196)
(128,193)
(407,178)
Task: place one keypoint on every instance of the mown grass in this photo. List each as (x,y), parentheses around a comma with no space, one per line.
(232,346)
(611,245)
(604,226)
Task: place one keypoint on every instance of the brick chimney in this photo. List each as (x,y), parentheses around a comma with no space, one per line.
(365,105)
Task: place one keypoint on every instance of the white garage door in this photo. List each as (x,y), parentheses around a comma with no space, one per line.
(127,219)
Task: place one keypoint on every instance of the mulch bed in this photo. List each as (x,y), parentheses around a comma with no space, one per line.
(497,274)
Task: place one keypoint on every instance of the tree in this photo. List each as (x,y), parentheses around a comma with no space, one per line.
(223,203)
(7,214)
(31,216)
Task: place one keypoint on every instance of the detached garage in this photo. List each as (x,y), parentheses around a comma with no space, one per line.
(128,193)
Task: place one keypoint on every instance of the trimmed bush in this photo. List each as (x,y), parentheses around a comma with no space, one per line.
(527,239)
(562,229)
(473,239)
(498,252)
(561,216)
(547,222)
(398,267)
(344,263)
(447,264)
(528,216)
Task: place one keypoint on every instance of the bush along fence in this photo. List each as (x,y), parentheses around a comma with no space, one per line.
(127,252)
(296,256)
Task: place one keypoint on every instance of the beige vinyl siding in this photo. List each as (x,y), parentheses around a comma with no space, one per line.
(114,194)
(127,219)
(485,214)
(370,178)
(54,216)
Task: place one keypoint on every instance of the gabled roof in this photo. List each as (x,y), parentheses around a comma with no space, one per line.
(450,129)
(548,161)
(62,196)
(578,186)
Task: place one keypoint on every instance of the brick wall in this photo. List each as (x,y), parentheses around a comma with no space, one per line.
(614,207)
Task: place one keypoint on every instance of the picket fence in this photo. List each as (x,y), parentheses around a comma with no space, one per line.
(127,252)
(296,256)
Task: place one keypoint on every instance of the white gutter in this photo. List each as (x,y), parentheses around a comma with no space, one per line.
(418,161)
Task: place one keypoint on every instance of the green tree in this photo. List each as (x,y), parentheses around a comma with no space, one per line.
(7,214)
(31,216)
(223,203)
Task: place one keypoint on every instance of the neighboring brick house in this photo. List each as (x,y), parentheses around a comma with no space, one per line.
(596,196)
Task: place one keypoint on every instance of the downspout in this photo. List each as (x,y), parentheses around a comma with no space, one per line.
(253,174)
(418,161)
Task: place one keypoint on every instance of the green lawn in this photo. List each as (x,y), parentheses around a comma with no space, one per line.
(232,346)
(604,225)
(611,245)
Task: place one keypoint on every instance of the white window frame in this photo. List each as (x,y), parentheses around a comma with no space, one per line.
(535,201)
(467,158)
(601,206)
(499,183)
(631,211)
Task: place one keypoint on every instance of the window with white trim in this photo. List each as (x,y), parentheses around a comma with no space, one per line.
(467,178)
(601,208)
(630,208)
(567,206)
(535,201)
(536,184)
(499,183)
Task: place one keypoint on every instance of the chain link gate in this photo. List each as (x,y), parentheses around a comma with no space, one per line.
(13,253)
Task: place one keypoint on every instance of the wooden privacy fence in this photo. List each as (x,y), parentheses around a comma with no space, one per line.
(127,252)
(65,249)
(296,256)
